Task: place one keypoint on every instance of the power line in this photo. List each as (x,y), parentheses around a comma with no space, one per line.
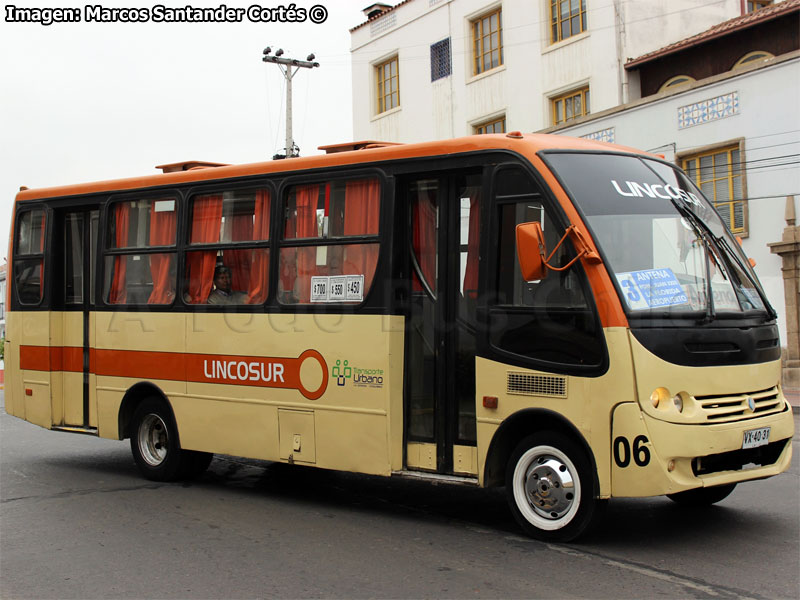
(751,137)
(741,166)
(774,197)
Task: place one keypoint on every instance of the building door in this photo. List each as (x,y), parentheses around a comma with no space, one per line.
(443,247)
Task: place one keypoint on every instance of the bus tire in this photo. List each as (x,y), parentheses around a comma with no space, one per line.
(154,442)
(550,488)
(703,496)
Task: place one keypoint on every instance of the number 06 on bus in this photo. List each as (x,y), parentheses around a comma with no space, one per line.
(568,319)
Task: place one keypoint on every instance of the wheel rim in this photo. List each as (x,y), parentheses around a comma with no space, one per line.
(153,440)
(547,487)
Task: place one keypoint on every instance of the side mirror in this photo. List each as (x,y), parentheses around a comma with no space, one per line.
(531,251)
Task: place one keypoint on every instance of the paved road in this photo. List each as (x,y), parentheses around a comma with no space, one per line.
(77,521)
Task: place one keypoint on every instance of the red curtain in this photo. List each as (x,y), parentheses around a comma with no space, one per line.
(362,217)
(206,221)
(239,260)
(425,237)
(259,279)
(122,219)
(473,241)
(162,233)
(288,257)
(306,199)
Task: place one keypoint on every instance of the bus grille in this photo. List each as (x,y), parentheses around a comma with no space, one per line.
(737,460)
(527,384)
(736,407)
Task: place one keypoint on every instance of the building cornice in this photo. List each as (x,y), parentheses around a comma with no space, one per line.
(667,94)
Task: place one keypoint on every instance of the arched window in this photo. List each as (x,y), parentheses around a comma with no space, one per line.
(751,57)
(674,82)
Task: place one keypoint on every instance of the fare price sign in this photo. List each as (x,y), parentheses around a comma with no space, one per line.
(652,288)
(337,288)
(319,289)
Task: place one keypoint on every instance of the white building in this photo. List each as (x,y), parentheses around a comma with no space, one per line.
(434,69)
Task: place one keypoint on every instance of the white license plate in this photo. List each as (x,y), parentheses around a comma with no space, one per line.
(755,438)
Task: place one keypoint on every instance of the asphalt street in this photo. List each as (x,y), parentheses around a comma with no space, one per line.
(77,521)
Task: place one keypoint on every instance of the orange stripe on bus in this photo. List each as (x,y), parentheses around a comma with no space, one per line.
(51,358)
(258,371)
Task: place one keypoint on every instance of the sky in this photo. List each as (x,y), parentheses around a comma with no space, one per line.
(91,101)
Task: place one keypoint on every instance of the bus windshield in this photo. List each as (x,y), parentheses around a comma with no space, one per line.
(667,247)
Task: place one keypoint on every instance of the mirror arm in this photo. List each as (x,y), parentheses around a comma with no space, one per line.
(584,251)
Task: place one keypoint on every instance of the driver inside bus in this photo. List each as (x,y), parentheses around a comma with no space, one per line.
(222,292)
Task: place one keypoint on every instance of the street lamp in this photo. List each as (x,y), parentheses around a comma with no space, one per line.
(289,67)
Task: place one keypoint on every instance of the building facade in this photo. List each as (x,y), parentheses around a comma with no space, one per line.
(435,69)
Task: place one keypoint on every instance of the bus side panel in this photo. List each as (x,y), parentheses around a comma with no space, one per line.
(395,326)
(351,421)
(66,334)
(14,401)
(218,421)
(132,347)
(31,381)
(587,404)
(109,392)
(93,408)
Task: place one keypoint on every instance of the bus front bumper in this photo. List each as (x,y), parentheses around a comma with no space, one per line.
(651,457)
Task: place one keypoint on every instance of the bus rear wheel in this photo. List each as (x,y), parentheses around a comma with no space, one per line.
(549,486)
(703,496)
(155,445)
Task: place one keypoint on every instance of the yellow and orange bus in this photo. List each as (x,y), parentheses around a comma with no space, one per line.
(565,318)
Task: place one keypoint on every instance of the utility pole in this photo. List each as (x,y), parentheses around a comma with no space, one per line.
(289,67)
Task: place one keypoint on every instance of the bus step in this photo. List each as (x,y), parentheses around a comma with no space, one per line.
(71,429)
(436,477)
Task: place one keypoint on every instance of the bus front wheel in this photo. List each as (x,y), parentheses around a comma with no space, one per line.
(549,487)
(702,496)
(155,445)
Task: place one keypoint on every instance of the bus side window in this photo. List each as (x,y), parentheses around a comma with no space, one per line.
(229,229)
(549,320)
(342,218)
(135,272)
(29,262)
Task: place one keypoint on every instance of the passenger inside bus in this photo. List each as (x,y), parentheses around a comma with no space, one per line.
(222,292)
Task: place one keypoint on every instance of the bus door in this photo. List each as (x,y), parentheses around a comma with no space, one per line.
(78,230)
(444,225)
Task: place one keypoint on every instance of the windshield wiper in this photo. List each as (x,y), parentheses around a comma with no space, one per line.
(726,253)
(723,251)
(731,253)
(705,234)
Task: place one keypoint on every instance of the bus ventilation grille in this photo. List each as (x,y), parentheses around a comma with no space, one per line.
(736,407)
(526,384)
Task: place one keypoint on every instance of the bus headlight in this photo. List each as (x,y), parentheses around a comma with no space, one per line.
(659,396)
(677,400)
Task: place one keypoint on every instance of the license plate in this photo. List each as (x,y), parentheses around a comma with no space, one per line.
(755,438)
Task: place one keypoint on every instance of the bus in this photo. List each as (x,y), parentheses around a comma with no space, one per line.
(567,319)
